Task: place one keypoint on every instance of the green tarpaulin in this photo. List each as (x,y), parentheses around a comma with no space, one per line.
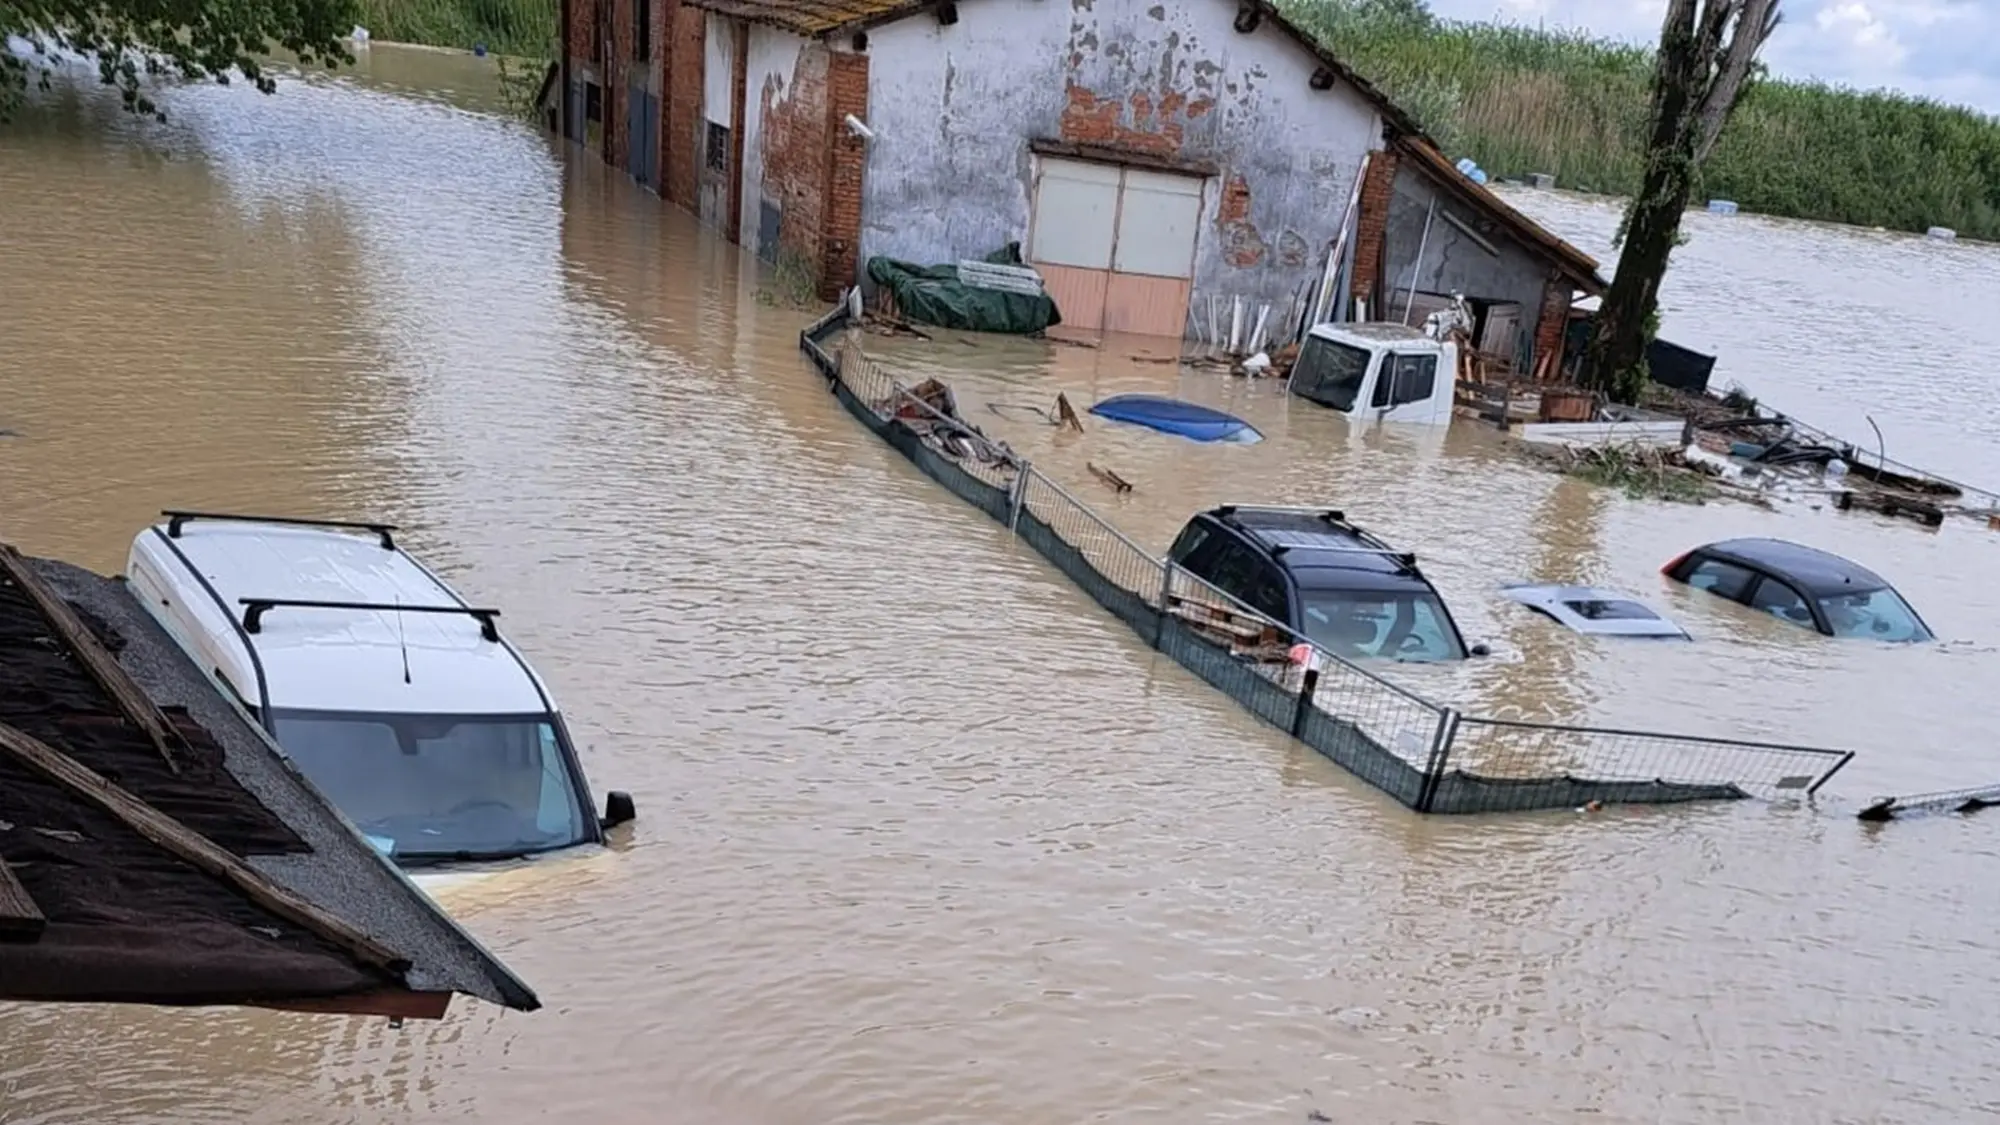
(935,295)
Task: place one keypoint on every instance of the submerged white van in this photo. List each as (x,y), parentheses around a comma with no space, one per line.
(402,703)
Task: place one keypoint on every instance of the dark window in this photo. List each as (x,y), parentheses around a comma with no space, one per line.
(1330,373)
(642,30)
(718,147)
(1415,379)
(1779,600)
(1190,541)
(593,102)
(1722,579)
(1611,611)
(1233,569)
(1267,594)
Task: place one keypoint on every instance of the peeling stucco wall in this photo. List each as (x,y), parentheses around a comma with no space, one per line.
(773,61)
(1452,261)
(718,70)
(953,109)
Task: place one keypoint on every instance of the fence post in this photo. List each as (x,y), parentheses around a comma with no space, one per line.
(1307,687)
(1441,740)
(1166,602)
(1022,471)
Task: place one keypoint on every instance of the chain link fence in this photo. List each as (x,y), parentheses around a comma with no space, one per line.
(1425,754)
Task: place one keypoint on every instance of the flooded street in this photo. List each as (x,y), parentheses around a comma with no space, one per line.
(924,837)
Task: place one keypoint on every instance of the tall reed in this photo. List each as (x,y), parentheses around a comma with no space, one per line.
(524,28)
(1521,100)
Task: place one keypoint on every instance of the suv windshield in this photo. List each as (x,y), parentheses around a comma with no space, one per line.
(1361,625)
(441,786)
(1879,615)
(1330,373)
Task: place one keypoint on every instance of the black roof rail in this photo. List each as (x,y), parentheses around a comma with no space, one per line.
(255,608)
(177,518)
(1405,558)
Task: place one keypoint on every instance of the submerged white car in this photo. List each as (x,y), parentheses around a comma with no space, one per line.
(1596,611)
(397,699)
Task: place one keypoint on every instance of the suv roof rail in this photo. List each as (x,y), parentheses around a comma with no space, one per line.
(1406,558)
(1330,515)
(177,518)
(255,608)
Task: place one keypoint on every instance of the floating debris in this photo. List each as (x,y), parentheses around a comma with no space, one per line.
(1118,484)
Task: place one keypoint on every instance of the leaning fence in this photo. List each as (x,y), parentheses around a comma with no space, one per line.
(1425,754)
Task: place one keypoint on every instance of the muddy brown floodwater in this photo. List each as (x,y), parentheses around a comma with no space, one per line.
(926,838)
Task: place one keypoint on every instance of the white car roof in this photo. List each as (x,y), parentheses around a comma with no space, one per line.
(1554,600)
(353,659)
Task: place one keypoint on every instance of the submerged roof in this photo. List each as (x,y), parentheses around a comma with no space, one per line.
(1595,610)
(348,659)
(160,850)
(1581,267)
(1175,416)
(1378,330)
(1819,573)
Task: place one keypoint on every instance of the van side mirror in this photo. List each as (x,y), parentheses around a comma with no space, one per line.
(618,809)
(1481,649)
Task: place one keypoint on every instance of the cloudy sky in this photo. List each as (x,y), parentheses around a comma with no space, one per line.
(1943,49)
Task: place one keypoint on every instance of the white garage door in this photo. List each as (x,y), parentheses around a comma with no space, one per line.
(1116,245)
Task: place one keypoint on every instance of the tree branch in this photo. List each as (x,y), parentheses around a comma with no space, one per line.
(1754,25)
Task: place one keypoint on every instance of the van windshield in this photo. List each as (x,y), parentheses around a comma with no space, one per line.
(1330,373)
(438,787)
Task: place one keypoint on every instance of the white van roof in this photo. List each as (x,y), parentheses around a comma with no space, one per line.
(1373,332)
(352,659)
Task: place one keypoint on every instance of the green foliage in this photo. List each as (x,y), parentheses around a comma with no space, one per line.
(794,282)
(1521,100)
(523,28)
(1641,473)
(136,40)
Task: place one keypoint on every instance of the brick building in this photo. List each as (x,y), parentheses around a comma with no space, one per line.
(1147,157)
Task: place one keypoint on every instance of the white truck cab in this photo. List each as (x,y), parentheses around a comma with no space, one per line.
(400,701)
(1378,371)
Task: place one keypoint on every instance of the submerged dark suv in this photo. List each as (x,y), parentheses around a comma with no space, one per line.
(1348,592)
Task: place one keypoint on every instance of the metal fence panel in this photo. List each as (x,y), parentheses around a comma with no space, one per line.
(1426,755)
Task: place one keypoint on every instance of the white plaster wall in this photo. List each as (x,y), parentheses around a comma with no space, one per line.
(772,59)
(953,109)
(718,69)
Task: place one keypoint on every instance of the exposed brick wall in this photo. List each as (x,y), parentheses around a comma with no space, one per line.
(1378,188)
(580,37)
(1557,297)
(847,93)
(657,35)
(796,155)
(680,112)
(617,70)
(1144,122)
(739,111)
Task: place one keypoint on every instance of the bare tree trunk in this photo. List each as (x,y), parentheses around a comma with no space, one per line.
(1697,80)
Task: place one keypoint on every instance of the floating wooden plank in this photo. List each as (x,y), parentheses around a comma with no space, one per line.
(195,849)
(20,919)
(1668,434)
(1117,483)
(132,700)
